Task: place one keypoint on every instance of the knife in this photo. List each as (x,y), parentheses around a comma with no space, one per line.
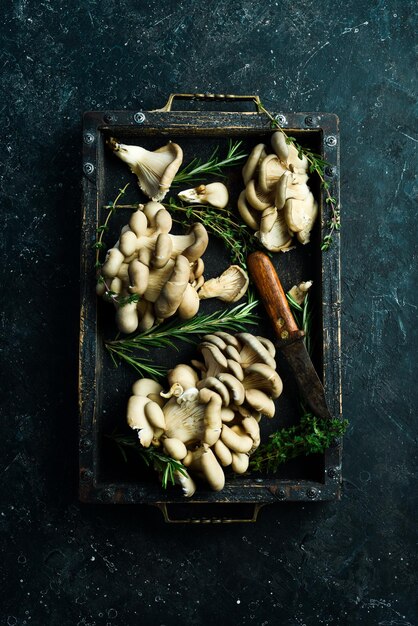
(290,337)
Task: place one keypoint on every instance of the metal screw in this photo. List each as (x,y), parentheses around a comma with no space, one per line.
(281,119)
(85,474)
(88,138)
(88,168)
(139,117)
(312,492)
(309,120)
(329,171)
(109,118)
(85,444)
(331,141)
(332,472)
(281,494)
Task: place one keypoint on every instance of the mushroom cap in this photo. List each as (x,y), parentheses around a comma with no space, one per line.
(300,214)
(200,243)
(155,170)
(184,375)
(260,402)
(263,377)
(230,286)
(172,292)
(187,483)
(146,386)
(257,198)
(257,154)
(253,351)
(250,216)
(175,448)
(215,194)
(270,172)
(189,304)
(281,188)
(274,234)
(280,145)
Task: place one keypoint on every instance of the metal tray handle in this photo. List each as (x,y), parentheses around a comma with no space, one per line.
(207,520)
(206,96)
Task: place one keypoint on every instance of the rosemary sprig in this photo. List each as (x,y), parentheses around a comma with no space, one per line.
(192,173)
(316,165)
(222,223)
(187,331)
(162,463)
(311,436)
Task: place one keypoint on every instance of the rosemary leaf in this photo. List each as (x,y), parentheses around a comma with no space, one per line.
(193,172)
(187,331)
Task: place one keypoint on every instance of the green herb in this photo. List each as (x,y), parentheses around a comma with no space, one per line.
(222,223)
(303,317)
(316,165)
(100,244)
(187,331)
(162,463)
(311,436)
(193,172)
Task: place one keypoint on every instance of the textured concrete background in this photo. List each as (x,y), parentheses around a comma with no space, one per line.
(345,563)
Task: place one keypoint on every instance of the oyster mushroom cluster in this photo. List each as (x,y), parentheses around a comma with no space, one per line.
(209,418)
(163,270)
(277,202)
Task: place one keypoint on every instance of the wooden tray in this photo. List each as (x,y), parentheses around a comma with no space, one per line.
(104,389)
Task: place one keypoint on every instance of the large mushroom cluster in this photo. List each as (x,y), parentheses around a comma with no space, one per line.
(164,272)
(277,202)
(209,418)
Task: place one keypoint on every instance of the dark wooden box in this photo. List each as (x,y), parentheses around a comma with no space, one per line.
(104,389)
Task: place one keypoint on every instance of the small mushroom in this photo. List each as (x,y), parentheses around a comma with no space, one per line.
(155,170)
(274,233)
(215,194)
(184,479)
(250,215)
(171,294)
(264,378)
(270,172)
(299,292)
(252,164)
(257,198)
(300,216)
(253,351)
(230,286)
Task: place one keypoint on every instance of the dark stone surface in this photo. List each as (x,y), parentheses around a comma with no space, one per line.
(345,563)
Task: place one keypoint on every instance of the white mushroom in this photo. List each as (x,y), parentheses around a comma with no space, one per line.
(230,286)
(155,170)
(274,233)
(215,194)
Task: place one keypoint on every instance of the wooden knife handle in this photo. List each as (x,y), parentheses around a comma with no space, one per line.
(274,298)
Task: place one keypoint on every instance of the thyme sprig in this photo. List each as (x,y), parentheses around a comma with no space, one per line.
(222,223)
(193,172)
(311,436)
(167,334)
(316,165)
(165,465)
(100,244)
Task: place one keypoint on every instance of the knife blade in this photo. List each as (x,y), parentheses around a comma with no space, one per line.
(289,336)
